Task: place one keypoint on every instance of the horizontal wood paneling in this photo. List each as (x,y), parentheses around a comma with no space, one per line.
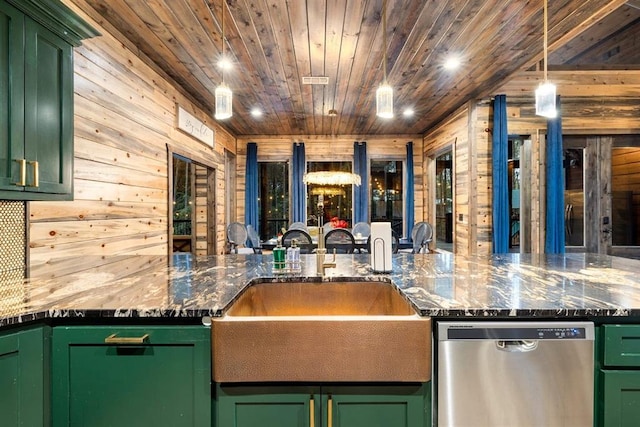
(125,117)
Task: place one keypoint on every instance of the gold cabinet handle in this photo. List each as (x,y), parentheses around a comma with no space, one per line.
(36,173)
(114,339)
(330,412)
(23,172)
(312,412)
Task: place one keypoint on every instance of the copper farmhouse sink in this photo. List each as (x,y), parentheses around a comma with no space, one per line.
(326,331)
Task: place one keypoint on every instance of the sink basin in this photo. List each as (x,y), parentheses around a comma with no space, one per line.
(320,332)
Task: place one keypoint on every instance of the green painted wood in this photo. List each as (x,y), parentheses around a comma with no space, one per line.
(48,110)
(622,345)
(265,406)
(11,96)
(166,381)
(58,18)
(36,118)
(23,375)
(379,405)
(621,398)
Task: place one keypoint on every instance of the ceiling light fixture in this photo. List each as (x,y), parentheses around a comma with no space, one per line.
(546,92)
(256,112)
(408,112)
(384,94)
(452,63)
(332,113)
(331,178)
(223,92)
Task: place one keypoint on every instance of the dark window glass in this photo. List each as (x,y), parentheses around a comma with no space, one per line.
(386,194)
(273,192)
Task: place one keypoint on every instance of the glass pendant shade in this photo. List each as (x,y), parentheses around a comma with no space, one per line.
(223,102)
(384,101)
(546,100)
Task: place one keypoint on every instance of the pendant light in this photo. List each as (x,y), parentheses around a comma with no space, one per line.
(546,92)
(384,94)
(223,92)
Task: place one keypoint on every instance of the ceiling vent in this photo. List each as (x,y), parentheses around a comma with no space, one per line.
(321,80)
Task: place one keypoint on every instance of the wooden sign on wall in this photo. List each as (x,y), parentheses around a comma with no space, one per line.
(195,127)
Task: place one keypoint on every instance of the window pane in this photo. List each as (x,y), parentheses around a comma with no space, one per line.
(338,199)
(273,194)
(574,197)
(625,203)
(386,194)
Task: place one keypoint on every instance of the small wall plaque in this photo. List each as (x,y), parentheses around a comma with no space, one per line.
(195,127)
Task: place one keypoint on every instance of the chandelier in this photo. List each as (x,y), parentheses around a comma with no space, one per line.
(331,178)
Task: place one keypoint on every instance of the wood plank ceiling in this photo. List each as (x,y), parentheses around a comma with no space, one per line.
(273,44)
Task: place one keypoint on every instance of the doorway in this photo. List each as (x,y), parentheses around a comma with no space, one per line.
(602,194)
(192,206)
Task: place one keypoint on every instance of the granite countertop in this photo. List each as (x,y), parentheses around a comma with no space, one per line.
(439,285)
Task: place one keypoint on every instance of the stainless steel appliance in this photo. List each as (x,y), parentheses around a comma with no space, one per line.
(515,374)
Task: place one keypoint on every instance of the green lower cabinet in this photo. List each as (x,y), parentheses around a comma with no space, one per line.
(24,398)
(131,376)
(380,405)
(621,406)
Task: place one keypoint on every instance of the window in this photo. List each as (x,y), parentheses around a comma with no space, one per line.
(338,199)
(386,193)
(182,196)
(273,194)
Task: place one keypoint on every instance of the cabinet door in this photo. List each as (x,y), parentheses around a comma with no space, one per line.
(11,96)
(267,406)
(163,381)
(48,111)
(23,395)
(377,406)
(621,398)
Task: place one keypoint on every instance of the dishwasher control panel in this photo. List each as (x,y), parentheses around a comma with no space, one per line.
(516,331)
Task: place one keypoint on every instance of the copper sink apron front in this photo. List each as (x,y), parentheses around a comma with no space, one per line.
(321,332)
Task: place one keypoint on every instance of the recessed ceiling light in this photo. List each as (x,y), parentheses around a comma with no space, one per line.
(452,63)
(256,112)
(408,112)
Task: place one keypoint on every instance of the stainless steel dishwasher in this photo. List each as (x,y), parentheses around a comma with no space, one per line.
(515,374)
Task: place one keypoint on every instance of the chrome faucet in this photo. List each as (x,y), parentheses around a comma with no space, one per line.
(321,252)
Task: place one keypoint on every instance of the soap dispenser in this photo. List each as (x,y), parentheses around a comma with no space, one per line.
(293,257)
(279,256)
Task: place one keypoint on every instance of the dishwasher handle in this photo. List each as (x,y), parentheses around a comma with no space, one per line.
(516,346)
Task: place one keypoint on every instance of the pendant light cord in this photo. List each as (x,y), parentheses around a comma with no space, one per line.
(384,38)
(545,40)
(222,12)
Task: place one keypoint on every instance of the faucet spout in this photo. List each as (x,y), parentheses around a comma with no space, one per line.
(321,253)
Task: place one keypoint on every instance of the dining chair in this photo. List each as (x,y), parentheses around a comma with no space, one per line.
(254,238)
(298,226)
(341,240)
(302,238)
(361,229)
(421,236)
(236,236)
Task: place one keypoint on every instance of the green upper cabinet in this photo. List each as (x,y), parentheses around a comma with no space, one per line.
(24,376)
(36,92)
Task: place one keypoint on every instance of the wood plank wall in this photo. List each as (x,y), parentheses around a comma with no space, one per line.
(125,118)
(593,103)
(326,148)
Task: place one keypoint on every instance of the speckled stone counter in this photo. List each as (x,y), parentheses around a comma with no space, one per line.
(440,285)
